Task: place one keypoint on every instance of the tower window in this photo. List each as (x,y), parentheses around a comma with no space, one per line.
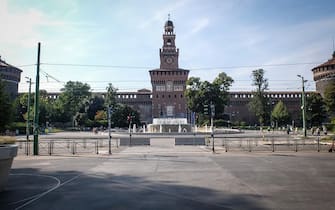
(168,42)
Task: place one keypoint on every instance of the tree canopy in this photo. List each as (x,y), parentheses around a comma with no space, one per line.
(74,98)
(316,109)
(329,98)
(77,104)
(199,93)
(280,114)
(259,104)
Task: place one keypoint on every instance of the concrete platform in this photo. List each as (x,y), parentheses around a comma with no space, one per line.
(172,178)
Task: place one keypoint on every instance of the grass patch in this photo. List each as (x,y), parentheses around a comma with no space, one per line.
(329,138)
(7,140)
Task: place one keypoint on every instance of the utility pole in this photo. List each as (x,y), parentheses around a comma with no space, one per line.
(109,129)
(130,120)
(303,106)
(37,97)
(28,115)
(212,127)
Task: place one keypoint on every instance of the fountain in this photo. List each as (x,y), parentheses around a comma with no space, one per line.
(165,125)
(179,128)
(134,128)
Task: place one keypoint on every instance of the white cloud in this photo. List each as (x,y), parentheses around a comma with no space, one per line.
(161,13)
(199,25)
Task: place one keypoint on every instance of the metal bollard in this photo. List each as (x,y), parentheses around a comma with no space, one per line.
(273,144)
(318,143)
(49,147)
(296,145)
(73,152)
(27,147)
(213,147)
(249,145)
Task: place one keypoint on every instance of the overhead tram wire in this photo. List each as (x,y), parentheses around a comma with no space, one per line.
(193,69)
(255,66)
(97,65)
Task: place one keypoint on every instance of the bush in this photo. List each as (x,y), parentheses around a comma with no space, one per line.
(7,140)
(331,126)
(21,127)
(220,123)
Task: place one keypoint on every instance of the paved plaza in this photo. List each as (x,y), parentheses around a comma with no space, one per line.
(164,176)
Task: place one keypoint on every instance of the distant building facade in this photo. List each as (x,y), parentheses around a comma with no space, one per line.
(140,101)
(169,81)
(11,76)
(238,110)
(324,74)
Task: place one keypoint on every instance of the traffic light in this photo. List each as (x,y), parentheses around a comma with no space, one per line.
(212,110)
(205,109)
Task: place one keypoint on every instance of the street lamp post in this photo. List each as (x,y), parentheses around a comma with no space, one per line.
(303,106)
(28,114)
(37,98)
(109,130)
(212,106)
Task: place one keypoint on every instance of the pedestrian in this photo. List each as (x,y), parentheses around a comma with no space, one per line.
(318,131)
(324,129)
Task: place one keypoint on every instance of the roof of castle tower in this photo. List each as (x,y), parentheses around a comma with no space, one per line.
(168,23)
(3,63)
(328,63)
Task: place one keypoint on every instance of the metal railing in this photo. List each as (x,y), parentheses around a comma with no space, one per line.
(227,144)
(269,144)
(68,146)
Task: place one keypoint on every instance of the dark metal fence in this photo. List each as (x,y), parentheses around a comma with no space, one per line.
(269,144)
(227,144)
(66,146)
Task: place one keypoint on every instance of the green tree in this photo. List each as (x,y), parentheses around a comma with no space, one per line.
(329,98)
(199,93)
(100,115)
(259,104)
(5,108)
(120,115)
(74,99)
(316,109)
(280,114)
(96,104)
(111,95)
(194,98)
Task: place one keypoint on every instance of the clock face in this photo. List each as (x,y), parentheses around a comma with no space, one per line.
(169,60)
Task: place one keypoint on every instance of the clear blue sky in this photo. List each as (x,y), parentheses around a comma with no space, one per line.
(212,36)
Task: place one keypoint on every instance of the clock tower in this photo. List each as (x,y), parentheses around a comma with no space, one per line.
(169,53)
(169,81)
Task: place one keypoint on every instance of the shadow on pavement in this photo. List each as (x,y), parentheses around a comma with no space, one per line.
(28,188)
